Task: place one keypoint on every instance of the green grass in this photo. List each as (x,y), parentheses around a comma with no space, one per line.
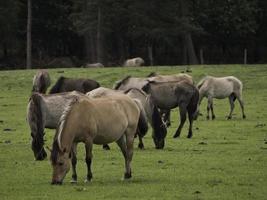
(225,159)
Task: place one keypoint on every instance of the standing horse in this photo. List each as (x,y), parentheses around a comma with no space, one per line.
(133,82)
(146,107)
(44,111)
(168,95)
(41,81)
(69,84)
(220,88)
(94,121)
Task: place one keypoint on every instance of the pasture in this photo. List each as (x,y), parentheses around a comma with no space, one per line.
(225,159)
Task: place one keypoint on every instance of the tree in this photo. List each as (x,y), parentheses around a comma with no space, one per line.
(29,36)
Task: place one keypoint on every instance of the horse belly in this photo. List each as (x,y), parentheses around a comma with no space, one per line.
(110,130)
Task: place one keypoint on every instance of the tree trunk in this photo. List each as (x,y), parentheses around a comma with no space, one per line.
(29,36)
(190,50)
(99,37)
(150,55)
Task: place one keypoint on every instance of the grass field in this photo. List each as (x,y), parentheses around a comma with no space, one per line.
(225,159)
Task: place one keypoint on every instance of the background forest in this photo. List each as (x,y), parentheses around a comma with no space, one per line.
(67,33)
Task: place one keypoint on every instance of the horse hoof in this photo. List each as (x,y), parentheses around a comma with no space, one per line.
(127,176)
(208,117)
(213,117)
(141,146)
(176,136)
(189,136)
(244,116)
(87,180)
(229,117)
(73,181)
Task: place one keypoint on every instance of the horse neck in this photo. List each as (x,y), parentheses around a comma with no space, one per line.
(65,140)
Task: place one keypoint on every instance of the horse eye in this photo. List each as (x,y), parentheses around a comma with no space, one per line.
(60,163)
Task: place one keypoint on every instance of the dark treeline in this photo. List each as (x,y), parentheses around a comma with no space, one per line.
(170,32)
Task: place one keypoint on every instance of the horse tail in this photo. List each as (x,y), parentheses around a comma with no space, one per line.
(57,86)
(35,120)
(142,122)
(194,105)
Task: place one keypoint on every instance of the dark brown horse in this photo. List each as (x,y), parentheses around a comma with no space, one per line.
(169,95)
(94,121)
(70,84)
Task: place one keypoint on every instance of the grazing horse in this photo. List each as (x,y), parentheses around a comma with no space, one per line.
(220,88)
(94,121)
(41,81)
(168,95)
(134,62)
(147,108)
(69,84)
(133,82)
(44,111)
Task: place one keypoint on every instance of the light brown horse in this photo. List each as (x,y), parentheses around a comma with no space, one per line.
(94,121)
(220,88)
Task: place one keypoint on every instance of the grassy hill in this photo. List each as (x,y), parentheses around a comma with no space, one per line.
(225,159)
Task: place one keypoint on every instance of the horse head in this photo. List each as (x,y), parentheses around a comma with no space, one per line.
(60,160)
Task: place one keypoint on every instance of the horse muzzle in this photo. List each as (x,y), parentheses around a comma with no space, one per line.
(55,182)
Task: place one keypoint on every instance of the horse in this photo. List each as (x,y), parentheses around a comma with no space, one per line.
(133,82)
(134,62)
(94,65)
(70,84)
(148,109)
(44,111)
(168,95)
(94,121)
(220,88)
(41,81)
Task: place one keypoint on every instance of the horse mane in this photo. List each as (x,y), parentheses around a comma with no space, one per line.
(119,83)
(35,119)
(136,89)
(157,124)
(54,152)
(63,119)
(56,87)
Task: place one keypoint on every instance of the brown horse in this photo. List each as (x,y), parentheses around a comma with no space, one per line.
(169,95)
(94,121)
(149,113)
(70,84)
(41,81)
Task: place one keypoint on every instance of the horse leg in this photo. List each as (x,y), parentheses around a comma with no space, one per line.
(242,106)
(126,146)
(191,120)
(141,144)
(88,159)
(182,120)
(208,110)
(232,105)
(74,162)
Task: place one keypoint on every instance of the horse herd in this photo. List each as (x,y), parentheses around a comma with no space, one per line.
(82,111)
